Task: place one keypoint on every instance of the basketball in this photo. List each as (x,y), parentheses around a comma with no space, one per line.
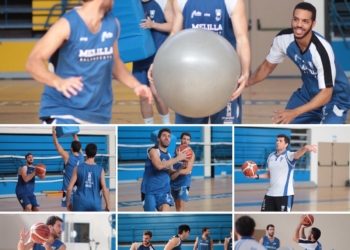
(308,220)
(195,72)
(249,168)
(40,168)
(39,233)
(185,149)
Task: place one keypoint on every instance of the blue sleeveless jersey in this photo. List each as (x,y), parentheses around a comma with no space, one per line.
(181,180)
(90,56)
(55,245)
(156,181)
(270,245)
(179,246)
(142,247)
(208,15)
(154,10)
(87,197)
(73,161)
(25,188)
(204,244)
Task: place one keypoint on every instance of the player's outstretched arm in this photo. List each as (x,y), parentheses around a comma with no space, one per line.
(188,169)
(105,190)
(297,233)
(303,150)
(261,72)
(260,176)
(58,146)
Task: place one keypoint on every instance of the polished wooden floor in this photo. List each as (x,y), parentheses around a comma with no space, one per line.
(213,194)
(305,199)
(20,100)
(47,203)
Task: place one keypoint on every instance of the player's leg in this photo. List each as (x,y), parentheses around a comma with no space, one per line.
(35,204)
(180,119)
(162,108)
(333,114)
(268,204)
(231,114)
(285,203)
(25,203)
(175,195)
(149,202)
(164,202)
(180,197)
(296,100)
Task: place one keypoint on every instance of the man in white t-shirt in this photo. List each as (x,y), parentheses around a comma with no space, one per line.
(310,242)
(281,164)
(244,230)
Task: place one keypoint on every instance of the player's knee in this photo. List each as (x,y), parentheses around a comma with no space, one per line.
(143,100)
(28,208)
(36,209)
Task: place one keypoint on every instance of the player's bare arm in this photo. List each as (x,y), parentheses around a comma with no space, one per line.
(60,150)
(240,27)
(70,188)
(163,27)
(172,243)
(24,246)
(26,177)
(105,190)
(303,150)
(195,244)
(43,50)
(165,164)
(261,72)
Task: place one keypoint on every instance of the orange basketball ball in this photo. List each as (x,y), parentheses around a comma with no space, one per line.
(185,149)
(39,233)
(40,168)
(249,168)
(309,220)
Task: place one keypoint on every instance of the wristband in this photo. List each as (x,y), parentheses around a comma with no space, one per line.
(257,176)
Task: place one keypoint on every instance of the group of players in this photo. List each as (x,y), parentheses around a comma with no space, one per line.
(83,179)
(82,72)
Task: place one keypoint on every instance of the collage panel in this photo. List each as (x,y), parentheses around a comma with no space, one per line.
(154,175)
(42,166)
(299,168)
(174,231)
(71,231)
(294,231)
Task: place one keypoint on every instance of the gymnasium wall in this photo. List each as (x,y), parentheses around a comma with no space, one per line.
(334,228)
(100,229)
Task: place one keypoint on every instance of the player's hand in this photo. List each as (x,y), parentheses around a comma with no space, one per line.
(183,155)
(284,116)
(69,86)
(311,148)
(149,74)
(69,206)
(147,23)
(107,208)
(183,165)
(23,234)
(252,177)
(54,129)
(145,91)
(301,221)
(242,82)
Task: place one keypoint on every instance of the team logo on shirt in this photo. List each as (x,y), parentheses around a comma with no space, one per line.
(89,182)
(152,13)
(106,35)
(281,159)
(89,55)
(208,26)
(307,69)
(218,14)
(196,13)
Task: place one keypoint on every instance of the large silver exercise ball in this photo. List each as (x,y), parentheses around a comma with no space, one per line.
(195,72)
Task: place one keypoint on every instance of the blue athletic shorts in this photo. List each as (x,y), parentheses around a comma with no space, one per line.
(141,76)
(25,200)
(152,202)
(180,193)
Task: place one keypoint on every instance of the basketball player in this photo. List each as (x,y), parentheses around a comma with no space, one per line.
(228,242)
(204,242)
(90,180)
(281,164)
(310,242)
(175,243)
(270,241)
(146,242)
(80,89)
(181,179)
(159,16)
(227,18)
(325,94)
(26,184)
(71,160)
(155,188)
(55,225)
(244,230)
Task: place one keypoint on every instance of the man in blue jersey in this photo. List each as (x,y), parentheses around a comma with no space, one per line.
(281,164)
(310,242)
(270,241)
(159,16)
(227,18)
(228,242)
(71,160)
(180,176)
(55,225)
(155,188)
(146,242)
(90,181)
(175,243)
(325,94)
(26,185)
(204,242)
(80,89)
(244,230)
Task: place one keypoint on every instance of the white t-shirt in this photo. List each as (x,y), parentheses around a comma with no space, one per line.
(281,168)
(248,243)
